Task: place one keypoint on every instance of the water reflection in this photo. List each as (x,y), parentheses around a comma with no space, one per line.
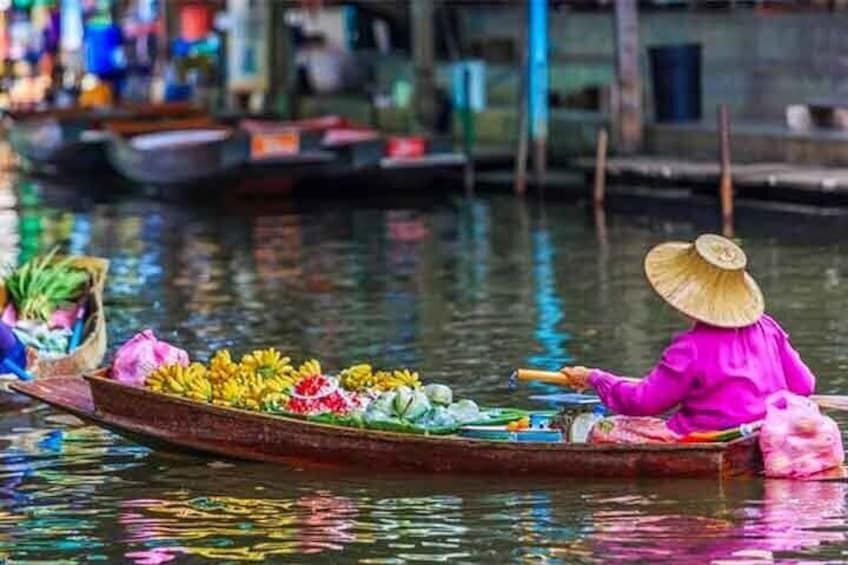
(464,289)
(777,518)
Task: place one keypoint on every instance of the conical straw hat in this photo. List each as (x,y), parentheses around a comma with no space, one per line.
(706,280)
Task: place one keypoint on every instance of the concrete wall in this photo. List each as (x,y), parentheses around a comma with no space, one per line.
(757,63)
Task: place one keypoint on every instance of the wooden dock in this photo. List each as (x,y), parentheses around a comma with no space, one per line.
(825,179)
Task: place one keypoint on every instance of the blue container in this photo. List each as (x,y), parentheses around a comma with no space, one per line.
(102,43)
(539,421)
(500,433)
(554,436)
(676,77)
(178,92)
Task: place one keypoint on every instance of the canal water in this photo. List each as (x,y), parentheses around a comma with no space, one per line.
(462,289)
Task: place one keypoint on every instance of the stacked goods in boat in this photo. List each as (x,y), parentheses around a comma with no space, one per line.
(267,381)
(55,307)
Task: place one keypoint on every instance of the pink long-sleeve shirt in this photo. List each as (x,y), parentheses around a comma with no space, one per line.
(719,378)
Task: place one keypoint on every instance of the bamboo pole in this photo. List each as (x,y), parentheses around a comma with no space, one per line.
(601,169)
(726,182)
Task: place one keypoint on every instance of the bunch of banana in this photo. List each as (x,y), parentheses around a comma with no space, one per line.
(222,368)
(227,392)
(277,385)
(275,402)
(188,381)
(252,387)
(308,369)
(199,388)
(357,378)
(266,363)
(386,380)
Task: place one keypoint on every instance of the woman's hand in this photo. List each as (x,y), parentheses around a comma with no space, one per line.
(578,377)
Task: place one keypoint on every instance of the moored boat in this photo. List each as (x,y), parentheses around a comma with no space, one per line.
(92,348)
(160,419)
(89,355)
(73,140)
(178,156)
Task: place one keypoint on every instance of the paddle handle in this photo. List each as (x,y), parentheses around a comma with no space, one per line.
(551,377)
(831,401)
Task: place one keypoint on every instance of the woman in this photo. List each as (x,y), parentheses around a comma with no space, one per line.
(719,372)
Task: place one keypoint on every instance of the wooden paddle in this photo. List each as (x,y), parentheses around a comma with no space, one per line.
(827,401)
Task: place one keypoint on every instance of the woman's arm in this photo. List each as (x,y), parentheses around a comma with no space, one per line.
(799,377)
(661,389)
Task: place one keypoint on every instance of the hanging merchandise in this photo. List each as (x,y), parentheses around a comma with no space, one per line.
(468,81)
(102,48)
(247,56)
(147,10)
(71,25)
(53,30)
(4,36)
(195,22)
(19,33)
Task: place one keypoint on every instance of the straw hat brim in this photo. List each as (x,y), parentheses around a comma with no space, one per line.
(700,290)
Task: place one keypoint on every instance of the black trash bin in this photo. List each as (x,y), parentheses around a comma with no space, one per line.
(676,78)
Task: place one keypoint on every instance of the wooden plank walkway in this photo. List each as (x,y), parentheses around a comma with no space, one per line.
(803,177)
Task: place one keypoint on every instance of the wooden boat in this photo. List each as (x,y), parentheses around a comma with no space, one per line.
(312,152)
(158,419)
(184,156)
(73,140)
(89,355)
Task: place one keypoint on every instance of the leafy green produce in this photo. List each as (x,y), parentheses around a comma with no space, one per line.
(465,411)
(439,394)
(39,286)
(384,402)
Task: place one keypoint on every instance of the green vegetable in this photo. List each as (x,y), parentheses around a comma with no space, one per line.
(39,286)
(376,416)
(465,411)
(417,408)
(439,394)
(403,397)
(439,418)
(384,402)
(410,404)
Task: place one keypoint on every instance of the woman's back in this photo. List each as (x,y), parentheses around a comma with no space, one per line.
(733,371)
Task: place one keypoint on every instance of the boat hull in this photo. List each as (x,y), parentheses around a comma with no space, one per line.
(182,166)
(71,141)
(163,419)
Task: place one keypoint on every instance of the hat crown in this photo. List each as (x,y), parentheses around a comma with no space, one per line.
(720,252)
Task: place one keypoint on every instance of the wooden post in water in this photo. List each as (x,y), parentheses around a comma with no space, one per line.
(628,116)
(520,180)
(423,61)
(520,185)
(726,183)
(601,169)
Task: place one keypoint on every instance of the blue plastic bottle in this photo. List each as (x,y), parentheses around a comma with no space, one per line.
(13,358)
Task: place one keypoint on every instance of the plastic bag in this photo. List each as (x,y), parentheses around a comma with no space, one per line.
(796,439)
(142,355)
